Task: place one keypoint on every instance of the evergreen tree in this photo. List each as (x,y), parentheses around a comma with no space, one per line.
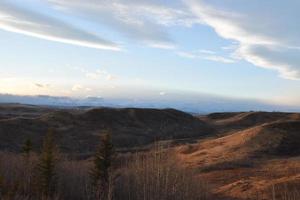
(27,147)
(27,170)
(101,174)
(1,186)
(47,177)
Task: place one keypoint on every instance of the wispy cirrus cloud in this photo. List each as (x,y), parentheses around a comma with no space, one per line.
(20,20)
(186,54)
(144,21)
(267,35)
(219,59)
(95,74)
(204,54)
(100,74)
(40,85)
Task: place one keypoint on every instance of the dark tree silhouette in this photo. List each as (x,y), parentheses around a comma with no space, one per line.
(27,147)
(47,176)
(101,173)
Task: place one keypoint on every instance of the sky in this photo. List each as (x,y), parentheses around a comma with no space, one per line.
(241,49)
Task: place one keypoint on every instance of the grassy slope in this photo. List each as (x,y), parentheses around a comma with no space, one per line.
(260,151)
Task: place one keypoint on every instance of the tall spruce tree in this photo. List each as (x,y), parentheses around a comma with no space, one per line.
(101,173)
(1,185)
(27,147)
(47,177)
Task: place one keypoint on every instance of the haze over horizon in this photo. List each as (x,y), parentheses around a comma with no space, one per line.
(180,53)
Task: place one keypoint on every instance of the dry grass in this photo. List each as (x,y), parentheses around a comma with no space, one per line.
(241,167)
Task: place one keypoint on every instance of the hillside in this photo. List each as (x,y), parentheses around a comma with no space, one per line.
(78,130)
(242,120)
(242,155)
(247,163)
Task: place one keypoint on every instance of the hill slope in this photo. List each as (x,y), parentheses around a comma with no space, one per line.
(78,130)
(242,120)
(243,155)
(249,162)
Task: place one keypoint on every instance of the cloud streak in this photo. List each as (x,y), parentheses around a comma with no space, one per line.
(40,85)
(99,74)
(140,20)
(205,55)
(19,20)
(267,34)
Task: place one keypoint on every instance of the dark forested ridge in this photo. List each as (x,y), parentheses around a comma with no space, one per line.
(78,129)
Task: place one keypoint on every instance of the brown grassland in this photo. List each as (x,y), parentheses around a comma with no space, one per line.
(242,156)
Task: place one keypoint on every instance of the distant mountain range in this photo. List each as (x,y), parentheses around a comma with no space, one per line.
(198,104)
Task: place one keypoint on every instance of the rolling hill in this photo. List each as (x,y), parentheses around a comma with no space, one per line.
(257,152)
(241,155)
(77,130)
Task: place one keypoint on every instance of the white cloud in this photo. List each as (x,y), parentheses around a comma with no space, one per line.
(267,32)
(77,87)
(96,74)
(219,59)
(205,51)
(186,54)
(99,74)
(230,47)
(19,20)
(110,77)
(40,85)
(161,45)
(92,75)
(205,55)
(141,20)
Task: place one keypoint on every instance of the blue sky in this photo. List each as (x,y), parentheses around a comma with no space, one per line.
(79,48)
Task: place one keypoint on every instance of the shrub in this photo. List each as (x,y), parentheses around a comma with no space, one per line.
(156,175)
